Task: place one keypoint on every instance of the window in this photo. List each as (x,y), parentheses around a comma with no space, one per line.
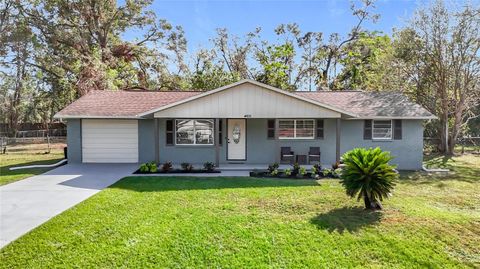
(382,129)
(194,132)
(292,129)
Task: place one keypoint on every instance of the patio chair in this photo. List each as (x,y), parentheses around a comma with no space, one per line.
(314,155)
(287,155)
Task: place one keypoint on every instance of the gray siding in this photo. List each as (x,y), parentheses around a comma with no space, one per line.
(262,150)
(146,140)
(74,140)
(408,151)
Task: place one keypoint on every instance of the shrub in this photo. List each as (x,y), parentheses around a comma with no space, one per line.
(273,167)
(295,168)
(337,173)
(144,168)
(326,172)
(152,167)
(368,175)
(209,166)
(288,172)
(167,166)
(302,171)
(187,166)
(274,172)
(317,167)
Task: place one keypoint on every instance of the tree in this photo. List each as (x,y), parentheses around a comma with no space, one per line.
(364,62)
(15,74)
(368,175)
(83,47)
(440,54)
(208,74)
(330,52)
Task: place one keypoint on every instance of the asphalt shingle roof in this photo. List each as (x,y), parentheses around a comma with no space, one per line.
(133,103)
(121,103)
(369,104)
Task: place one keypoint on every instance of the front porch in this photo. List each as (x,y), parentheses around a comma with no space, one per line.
(257,144)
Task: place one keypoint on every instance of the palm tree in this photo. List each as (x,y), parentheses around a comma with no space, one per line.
(368,175)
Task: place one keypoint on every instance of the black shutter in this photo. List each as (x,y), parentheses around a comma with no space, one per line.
(169,132)
(220,132)
(270,129)
(397,129)
(320,129)
(367,130)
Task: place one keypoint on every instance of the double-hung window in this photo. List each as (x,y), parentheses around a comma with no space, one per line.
(194,132)
(382,129)
(296,129)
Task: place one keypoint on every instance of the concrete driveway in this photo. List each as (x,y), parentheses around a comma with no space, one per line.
(27,203)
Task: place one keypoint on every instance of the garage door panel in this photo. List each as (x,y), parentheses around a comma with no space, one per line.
(110,141)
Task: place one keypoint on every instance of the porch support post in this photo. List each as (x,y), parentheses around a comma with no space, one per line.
(338,128)
(157,141)
(277,143)
(217,144)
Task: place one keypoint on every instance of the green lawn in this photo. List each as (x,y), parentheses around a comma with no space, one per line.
(431,221)
(23,159)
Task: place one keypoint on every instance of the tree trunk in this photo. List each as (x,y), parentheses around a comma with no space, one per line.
(371,204)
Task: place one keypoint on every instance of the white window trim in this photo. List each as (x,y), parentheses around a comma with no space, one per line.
(194,139)
(382,138)
(295,130)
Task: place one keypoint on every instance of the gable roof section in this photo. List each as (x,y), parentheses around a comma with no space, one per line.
(120,104)
(256,83)
(246,100)
(368,105)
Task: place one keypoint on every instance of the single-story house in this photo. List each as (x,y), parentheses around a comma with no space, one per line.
(246,122)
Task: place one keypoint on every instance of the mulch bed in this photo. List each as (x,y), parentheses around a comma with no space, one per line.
(178,171)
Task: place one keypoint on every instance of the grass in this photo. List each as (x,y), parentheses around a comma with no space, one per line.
(143,222)
(32,155)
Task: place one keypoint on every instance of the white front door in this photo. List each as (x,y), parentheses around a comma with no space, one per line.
(237,140)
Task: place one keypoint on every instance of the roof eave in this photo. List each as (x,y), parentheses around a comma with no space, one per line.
(395,117)
(94,117)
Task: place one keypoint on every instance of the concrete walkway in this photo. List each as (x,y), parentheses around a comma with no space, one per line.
(27,203)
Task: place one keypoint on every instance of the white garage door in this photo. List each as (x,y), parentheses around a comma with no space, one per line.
(110,141)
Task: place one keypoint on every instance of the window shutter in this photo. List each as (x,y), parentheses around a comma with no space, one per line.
(169,132)
(320,129)
(397,129)
(367,130)
(220,132)
(271,129)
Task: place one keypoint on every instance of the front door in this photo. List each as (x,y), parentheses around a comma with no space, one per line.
(237,140)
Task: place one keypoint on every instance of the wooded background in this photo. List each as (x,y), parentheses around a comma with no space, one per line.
(54,51)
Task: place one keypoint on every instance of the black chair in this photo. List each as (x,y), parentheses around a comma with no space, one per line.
(314,155)
(287,155)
